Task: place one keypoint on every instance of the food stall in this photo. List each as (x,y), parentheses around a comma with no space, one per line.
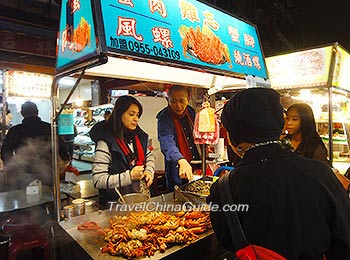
(320,78)
(184,42)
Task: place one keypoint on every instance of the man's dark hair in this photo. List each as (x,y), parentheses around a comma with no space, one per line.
(29,109)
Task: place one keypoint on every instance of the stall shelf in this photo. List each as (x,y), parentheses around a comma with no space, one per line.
(320,77)
(84,119)
(155,41)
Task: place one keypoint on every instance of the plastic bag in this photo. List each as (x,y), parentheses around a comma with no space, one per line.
(206,137)
(206,120)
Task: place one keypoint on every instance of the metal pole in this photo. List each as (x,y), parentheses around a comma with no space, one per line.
(70,94)
(54,139)
(4,108)
(204,162)
(330,101)
(54,149)
(5,180)
(330,125)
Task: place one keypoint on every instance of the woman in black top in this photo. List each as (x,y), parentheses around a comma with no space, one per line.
(301,128)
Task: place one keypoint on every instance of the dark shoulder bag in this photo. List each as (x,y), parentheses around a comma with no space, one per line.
(244,250)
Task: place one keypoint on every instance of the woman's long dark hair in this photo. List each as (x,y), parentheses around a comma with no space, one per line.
(114,122)
(311,138)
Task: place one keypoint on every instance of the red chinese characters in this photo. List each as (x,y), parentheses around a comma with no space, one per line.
(126,2)
(246,60)
(249,40)
(75,5)
(210,21)
(238,57)
(188,11)
(162,35)
(67,34)
(256,62)
(127,27)
(233,32)
(66,42)
(158,5)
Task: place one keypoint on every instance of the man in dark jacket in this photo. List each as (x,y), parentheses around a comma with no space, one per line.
(297,207)
(175,135)
(26,150)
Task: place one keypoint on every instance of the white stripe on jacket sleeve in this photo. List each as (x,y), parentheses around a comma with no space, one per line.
(100,177)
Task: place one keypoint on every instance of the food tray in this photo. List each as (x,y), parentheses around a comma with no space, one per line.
(87,243)
(199,188)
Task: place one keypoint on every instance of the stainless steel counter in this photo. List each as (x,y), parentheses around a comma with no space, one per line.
(87,244)
(87,190)
(18,199)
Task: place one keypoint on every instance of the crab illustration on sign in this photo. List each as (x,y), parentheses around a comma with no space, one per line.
(204,45)
(82,35)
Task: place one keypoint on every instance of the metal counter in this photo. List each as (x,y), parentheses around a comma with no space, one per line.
(18,199)
(87,190)
(75,244)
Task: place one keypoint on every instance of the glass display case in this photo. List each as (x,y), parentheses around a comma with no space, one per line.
(84,120)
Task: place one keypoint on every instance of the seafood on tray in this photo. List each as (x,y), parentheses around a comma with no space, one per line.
(199,187)
(204,45)
(141,234)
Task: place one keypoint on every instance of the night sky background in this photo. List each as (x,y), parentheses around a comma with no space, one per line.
(290,25)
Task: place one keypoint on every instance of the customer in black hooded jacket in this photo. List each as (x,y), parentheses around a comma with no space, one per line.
(26,150)
(297,207)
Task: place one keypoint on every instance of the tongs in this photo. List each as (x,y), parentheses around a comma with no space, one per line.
(179,191)
(184,187)
(120,195)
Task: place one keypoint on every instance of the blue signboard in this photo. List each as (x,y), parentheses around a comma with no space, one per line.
(65,124)
(183,31)
(76,40)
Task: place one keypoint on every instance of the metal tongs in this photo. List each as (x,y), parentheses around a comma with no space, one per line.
(120,195)
(183,196)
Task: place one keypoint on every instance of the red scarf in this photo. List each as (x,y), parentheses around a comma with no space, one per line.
(134,158)
(183,144)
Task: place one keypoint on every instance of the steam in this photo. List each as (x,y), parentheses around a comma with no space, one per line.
(31,161)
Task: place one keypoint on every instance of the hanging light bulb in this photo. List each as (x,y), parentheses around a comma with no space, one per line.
(79,100)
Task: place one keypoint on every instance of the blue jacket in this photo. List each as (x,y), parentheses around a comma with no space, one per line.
(169,146)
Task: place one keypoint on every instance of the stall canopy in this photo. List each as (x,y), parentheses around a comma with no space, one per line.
(168,41)
(327,66)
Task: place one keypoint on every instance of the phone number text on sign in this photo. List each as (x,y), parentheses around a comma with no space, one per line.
(137,47)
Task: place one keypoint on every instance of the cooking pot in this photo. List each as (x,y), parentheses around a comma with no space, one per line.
(134,198)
